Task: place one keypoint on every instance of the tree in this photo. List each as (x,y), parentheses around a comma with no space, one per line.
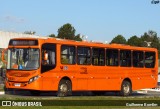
(146,40)
(52,35)
(67,31)
(77,37)
(155,43)
(119,39)
(30,32)
(151,39)
(134,41)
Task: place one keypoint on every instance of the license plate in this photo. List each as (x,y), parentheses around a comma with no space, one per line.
(17,84)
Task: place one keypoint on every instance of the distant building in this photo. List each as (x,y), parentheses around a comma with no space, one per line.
(6,36)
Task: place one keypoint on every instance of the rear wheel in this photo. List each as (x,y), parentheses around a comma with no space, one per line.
(64,88)
(126,88)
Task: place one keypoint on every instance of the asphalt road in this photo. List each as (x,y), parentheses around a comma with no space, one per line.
(26,94)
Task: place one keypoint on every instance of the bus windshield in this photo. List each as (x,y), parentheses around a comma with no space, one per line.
(23,58)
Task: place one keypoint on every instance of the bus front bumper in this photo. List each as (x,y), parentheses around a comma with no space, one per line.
(23,85)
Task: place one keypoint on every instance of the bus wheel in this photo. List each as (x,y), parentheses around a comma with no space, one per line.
(126,88)
(35,93)
(64,88)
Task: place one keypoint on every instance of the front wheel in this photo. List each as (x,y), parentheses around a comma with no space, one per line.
(126,88)
(64,88)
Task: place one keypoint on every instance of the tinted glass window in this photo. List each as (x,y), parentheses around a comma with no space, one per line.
(125,58)
(112,57)
(67,54)
(138,59)
(48,57)
(84,55)
(98,56)
(149,59)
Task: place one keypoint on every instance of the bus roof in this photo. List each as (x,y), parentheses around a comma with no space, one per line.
(85,43)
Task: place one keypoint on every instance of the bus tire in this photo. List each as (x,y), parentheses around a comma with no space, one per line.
(126,88)
(64,88)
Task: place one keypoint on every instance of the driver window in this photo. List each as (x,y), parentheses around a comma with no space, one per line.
(48,57)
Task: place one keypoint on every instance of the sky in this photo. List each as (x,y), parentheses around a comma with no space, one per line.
(100,20)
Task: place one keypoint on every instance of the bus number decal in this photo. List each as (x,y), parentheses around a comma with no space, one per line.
(65,68)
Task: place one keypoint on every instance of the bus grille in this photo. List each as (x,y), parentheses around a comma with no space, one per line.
(19,74)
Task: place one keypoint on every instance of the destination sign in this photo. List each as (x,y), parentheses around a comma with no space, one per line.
(23,42)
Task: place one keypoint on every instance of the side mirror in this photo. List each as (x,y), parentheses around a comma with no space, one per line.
(45,56)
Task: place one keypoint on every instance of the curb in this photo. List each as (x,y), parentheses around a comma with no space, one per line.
(142,91)
(153,90)
(148,90)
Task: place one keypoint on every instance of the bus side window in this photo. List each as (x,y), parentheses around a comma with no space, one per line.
(112,57)
(67,54)
(98,56)
(64,59)
(83,55)
(125,58)
(138,59)
(149,59)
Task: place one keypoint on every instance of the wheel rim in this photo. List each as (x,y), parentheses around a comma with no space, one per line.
(64,88)
(126,88)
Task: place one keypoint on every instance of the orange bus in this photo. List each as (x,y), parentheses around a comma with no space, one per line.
(52,64)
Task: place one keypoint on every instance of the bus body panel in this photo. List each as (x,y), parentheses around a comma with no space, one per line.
(86,77)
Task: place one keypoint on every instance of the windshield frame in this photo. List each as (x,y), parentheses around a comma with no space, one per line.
(10,48)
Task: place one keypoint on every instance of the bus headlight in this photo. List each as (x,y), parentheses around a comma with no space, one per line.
(33,79)
(6,79)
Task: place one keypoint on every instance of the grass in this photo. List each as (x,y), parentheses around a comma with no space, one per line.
(79,107)
(53,98)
